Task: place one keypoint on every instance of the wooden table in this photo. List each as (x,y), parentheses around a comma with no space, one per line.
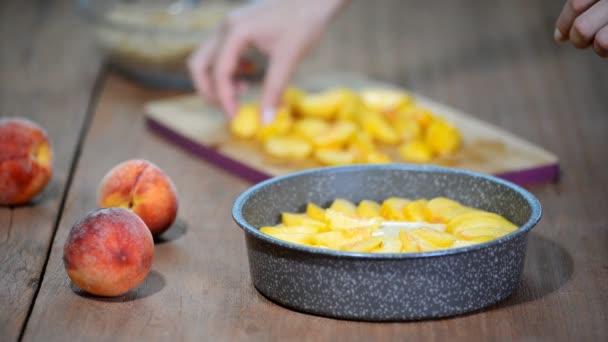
(494,59)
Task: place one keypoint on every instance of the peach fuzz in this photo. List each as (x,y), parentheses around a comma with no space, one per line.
(108,252)
(26,160)
(143,188)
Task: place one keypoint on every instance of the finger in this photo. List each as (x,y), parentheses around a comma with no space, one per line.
(600,43)
(587,24)
(571,10)
(226,64)
(241,87)
(199,65)
(281,67)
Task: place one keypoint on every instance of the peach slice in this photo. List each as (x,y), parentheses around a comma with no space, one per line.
(335,135)
(279,126)
(246,122)
(442,210)
(291,97)
(392,208)
(143,188)
(328,156)
(368,209)
(416,152)
(344,206)
(315,212)
(309,128)
(323,105)
(288,147)
(414,211)
(442,137)
(26,159)
(378,128)
(385,100)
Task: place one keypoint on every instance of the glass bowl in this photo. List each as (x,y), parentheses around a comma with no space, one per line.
(150,40)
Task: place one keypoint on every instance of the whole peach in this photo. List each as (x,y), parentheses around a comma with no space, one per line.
(26,160)
(143,188)
(108,252)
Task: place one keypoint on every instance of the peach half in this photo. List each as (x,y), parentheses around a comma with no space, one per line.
(26,160)
(108,252)
(143,188)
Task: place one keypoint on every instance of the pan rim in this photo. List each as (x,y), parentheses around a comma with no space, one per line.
(533,202)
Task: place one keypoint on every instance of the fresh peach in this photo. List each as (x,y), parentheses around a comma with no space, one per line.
(143,188)
(108,252)
(25,160)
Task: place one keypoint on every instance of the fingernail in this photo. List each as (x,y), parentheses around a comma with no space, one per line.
(558,36)
(268,115)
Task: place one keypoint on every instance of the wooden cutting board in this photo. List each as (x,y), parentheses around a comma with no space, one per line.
(203,130)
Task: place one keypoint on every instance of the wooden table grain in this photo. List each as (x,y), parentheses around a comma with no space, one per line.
(496,60)
(47,73)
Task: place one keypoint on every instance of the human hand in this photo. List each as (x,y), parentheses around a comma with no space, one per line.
(284,30)
(584,23)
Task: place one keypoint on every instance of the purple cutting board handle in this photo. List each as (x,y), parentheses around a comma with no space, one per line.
(541,174)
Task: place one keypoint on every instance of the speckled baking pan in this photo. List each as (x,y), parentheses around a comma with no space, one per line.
(385,287)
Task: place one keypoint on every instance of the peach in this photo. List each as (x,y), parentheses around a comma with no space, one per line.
(25,160)
(108,252)
(143,188)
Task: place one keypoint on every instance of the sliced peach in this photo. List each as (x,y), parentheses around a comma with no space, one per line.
(378,128)
(409,244)
(377,158)
(414,211)
(482,222)
(416,151)
(321,105)
(279,126)
(434,237)
(270,230)
(346,207)
(339,221)
(363,246)
(385,100)
(310,128)
(390,244)
(292,219)
(351,107)
(335,135)
(408,129)
(422,116)
(291,97)
(473,214)
(246,122)
(442,137)
(362,143)
(331,239)
(367,209)
(306,239)
(441,210)
(287,147)
(315,212)
(392,208)
(335,157)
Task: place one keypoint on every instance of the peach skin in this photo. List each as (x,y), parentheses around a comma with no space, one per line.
(26,160)
(143,188)
(108,252)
